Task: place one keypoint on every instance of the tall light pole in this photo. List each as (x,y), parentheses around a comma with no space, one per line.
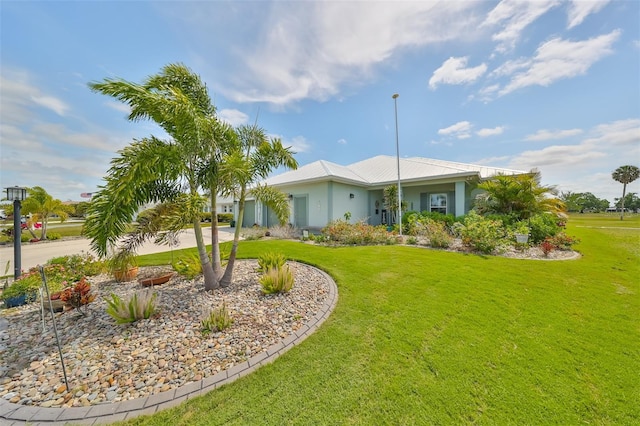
(399,218)
(17,195)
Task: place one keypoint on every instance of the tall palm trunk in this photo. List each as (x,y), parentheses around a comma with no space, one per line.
(210,281)
(624,193)
(228,272)
(215,241)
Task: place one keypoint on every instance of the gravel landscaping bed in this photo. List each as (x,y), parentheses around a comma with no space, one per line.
(107,362)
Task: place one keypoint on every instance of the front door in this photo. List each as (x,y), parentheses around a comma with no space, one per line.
(301,218)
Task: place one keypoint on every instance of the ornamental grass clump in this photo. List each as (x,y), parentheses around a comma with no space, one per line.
(277,280)
(270,260)
(141,305)
(218,319)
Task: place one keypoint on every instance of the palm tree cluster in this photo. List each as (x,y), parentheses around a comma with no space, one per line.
(521,196)
(202,155)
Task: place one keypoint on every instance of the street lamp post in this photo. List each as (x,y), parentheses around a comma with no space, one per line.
(395,105)
(17,195)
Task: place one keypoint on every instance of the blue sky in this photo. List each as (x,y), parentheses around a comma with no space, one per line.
(552,85)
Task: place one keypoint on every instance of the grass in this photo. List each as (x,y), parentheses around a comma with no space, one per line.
(432,337)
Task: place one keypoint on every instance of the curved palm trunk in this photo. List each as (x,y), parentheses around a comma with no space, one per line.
(210,281)
(228,272)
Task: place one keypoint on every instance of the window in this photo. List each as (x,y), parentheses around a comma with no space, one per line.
(438,203)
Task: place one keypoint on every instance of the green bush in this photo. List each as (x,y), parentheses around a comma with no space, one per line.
(217,319)
(205,217)
(139,306)
(342,232)
(27,285)
(188,266)
(25,238)
(270,260)
(225,217)
(543,225)
(79,265)
(53,235)
(563,241)
(481,234)
(435,231)
(277,280)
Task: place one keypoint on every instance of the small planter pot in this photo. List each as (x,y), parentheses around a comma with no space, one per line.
(522,238)
(160,279)
(23,299)
(126,276)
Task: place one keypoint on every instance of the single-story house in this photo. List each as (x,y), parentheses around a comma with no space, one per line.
(321,192)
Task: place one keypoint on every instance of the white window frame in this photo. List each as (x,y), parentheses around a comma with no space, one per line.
(438,203)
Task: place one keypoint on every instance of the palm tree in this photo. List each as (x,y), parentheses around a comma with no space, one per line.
(43,206)
(252,159)
(625,175)
(152,170)
(520,196)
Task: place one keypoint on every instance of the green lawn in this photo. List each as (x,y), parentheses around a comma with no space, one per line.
(431,337)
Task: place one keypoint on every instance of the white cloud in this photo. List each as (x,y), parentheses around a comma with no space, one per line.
(556,59)
(483,133)
(49,102)
(233,116)
(580,9)
(605,146)
(460,130)
(297,144)
(311,49)
(513,16)
(545,135)
(342,141)
(453,71)
(617,133)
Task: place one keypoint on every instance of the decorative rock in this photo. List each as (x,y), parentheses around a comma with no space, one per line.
(109,363)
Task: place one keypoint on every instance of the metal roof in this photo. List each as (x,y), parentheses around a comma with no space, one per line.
(383,169)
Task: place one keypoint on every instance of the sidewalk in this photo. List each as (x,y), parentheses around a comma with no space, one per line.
(33,254)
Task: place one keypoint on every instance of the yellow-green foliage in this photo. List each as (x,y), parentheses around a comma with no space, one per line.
(277,280)
(217,319)
(188,266)
(139,306)
(270,260)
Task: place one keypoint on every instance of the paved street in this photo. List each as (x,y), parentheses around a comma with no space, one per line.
(34,254)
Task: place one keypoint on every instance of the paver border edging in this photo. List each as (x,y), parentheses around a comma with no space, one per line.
(16,414)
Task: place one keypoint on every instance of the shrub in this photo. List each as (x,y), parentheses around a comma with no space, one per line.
(25,238)
(562,241)
(217,319)
(53,236)
(434,230)
(270,260)
(277,280)
(205,217)
(79,265)
(547,247)
(224,217)
(78,296)
(26,285)
(483,235)
(188,266)
(287,232)
(360,233)
(140,305)
(543,225)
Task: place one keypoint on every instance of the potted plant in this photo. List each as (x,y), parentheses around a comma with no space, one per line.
(521,233)
(22,291)
(123,266)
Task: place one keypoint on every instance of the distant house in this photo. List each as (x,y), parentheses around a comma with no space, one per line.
(321,192)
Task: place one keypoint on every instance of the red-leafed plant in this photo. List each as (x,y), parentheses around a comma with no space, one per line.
(547,246)
(78,295)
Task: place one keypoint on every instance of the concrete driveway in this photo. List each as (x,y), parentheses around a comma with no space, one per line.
(34,254)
